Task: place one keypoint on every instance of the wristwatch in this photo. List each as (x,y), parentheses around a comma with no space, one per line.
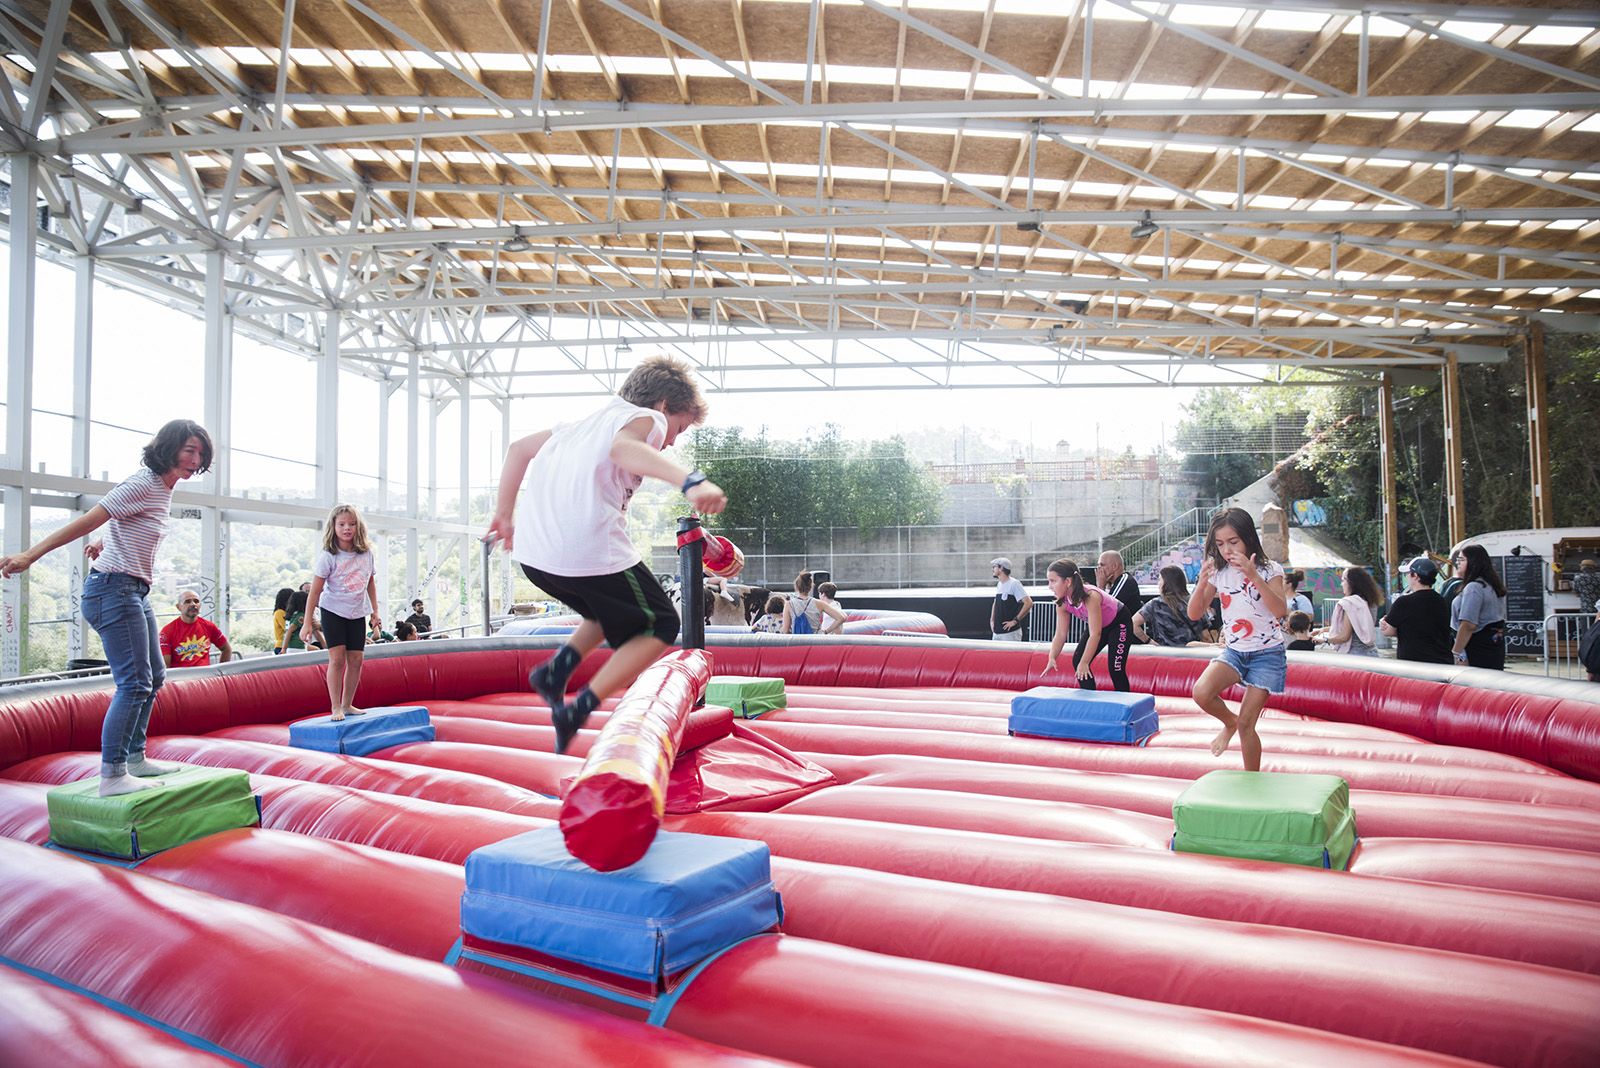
(694,479)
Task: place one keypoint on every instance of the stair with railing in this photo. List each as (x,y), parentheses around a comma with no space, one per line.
(1143,555)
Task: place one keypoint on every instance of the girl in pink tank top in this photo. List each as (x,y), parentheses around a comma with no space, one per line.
(1110,626)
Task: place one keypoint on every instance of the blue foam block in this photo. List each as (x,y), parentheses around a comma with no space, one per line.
(688,897)
(378,729)
(1084,715)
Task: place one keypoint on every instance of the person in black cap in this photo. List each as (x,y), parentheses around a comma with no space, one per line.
(1008,616)
(1419,620)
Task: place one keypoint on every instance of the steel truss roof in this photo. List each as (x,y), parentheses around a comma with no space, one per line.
(789,192)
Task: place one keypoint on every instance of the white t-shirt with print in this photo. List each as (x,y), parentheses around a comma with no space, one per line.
(1247,624)
(344,587)
(572,517)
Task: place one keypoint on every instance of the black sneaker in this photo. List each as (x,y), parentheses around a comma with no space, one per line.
(540,682)
(567,721)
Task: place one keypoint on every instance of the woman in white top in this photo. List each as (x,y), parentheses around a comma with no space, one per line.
(1353,629)
(116,594)
(802,613)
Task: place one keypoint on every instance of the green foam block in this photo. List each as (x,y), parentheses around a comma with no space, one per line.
(193,803)
(1263,815)
(748,696)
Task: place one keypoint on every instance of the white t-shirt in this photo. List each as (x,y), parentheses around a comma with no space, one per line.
(572,517)
(140,507)
(344,587)
(1247,625)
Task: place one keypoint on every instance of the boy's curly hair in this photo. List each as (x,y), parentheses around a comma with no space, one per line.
(664,378)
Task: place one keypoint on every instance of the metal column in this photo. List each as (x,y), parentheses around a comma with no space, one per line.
(1455,497)
(385,391)
(464,505)
(23,235)
(1544,511)
(218,404)
(413,466)
(1389,504)
(328,412)
(82,436)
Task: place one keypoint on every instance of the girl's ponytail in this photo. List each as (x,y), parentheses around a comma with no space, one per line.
(1068,570)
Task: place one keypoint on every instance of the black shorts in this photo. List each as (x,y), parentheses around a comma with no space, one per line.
(337,630)
(626,604)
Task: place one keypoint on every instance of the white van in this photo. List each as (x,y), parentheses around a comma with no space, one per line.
(1560,549)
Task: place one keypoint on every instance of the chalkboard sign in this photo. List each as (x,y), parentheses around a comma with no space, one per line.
(1524,579)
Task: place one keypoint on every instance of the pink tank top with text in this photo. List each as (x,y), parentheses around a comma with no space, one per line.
(1109,606)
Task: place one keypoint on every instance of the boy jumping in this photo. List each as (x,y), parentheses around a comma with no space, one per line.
(571,529)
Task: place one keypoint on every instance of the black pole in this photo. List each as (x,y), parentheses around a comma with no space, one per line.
(691,579)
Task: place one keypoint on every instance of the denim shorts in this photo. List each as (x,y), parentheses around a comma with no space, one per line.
(1267,668)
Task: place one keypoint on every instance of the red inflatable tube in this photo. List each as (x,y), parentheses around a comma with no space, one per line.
(23,816)
(1378,813)
(1431,999)
(1521,868)
(1492,923)
(611,813)
(279,991)
(1469,1006)
(1178,763)
(41,1023)
(822,1005)
(1019,817)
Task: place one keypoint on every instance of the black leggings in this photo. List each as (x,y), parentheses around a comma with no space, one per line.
(1115,636)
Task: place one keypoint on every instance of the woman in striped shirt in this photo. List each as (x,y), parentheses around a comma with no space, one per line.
(116,594)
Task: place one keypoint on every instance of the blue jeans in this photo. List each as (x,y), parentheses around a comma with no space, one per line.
(117,606)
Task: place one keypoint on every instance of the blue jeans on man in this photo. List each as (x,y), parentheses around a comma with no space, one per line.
(117,606)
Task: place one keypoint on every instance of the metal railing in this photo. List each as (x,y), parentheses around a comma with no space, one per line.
(1563,631)
(1174,532)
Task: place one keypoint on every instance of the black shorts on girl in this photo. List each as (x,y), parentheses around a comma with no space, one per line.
(338,630)
(626,604)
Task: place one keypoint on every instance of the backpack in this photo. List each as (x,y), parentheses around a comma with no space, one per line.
(802,622)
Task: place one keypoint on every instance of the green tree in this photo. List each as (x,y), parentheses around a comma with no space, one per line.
(786,486)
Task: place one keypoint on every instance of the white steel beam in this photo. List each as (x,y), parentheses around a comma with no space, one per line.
(22,235)
(218,421)
(328,412)
(82,435)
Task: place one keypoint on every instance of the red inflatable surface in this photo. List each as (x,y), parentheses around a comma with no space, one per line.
(951,894)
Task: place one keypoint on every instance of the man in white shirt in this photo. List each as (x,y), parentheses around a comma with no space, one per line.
(1008,616)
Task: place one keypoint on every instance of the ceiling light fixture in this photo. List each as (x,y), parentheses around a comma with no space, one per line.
(1424,338)
(518,242)
(1144,228)
(623,346)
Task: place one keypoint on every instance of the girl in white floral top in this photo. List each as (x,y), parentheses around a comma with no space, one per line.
(1254,602)
(772,622)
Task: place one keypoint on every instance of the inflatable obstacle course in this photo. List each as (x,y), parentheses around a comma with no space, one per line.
(192,802)
(374,729)
(748,697)
(1084,715)
(1262,815)
(690,897)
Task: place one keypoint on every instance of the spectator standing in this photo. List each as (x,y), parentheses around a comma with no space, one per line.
(1586,584)
(1008,616)
(828,593)
(1419,619)
(188,640)
(420,619)
(1117,582)
(280,617)
(1478,614)
(1165,620)
(803,612)
(1353,628)
(116,594)
(1452,583)
(1298,602)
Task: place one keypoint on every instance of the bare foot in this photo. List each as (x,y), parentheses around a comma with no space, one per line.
(353,711)
(1219,744)
(337,715)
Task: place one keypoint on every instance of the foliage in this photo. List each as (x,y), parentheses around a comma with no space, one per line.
(822,481)
(1230,437)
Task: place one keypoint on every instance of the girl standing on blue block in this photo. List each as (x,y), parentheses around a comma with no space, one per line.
(1109,621)
(116,594)
(1254,602)
(345,587)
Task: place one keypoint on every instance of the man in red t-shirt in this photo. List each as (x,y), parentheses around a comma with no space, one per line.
(187,640)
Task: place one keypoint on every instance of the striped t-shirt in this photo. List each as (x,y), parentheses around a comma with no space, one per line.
(140,506)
